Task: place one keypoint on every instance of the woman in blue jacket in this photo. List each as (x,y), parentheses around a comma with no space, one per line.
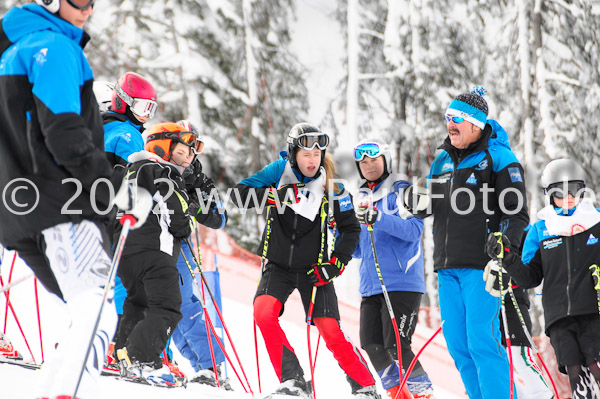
(397,237)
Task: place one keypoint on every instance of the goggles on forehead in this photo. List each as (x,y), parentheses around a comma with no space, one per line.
(371,150)
(81,4)
(188,138)
(139,106)
(308,141)
(563,189)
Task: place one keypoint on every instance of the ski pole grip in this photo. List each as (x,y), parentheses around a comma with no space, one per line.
(127,217)
(498,234)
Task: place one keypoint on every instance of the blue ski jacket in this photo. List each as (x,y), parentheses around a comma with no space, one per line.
(121,138)
(398,246)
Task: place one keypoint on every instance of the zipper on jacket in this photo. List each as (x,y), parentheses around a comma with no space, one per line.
(293,240)
(30,143)
(568,243)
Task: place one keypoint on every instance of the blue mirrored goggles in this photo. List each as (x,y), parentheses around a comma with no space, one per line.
(308,141)
(371,150)
(455,119)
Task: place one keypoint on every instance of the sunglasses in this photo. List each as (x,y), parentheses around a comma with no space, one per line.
(81,4)
(455,119)
(371,150)
(563,189)
(188,138)
(309,141)
(139,106)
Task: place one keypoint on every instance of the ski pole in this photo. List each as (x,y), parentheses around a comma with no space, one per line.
(212,297)
(528,335)
(12,310)
(15,282)
(127,221)
(206,323)
(499,258)
(308,323)
(414,361)
(37,306)
(12,266)
(389,306)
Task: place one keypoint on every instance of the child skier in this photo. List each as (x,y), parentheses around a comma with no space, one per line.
(562,249)
(148,267)
(295,244)
(397,236)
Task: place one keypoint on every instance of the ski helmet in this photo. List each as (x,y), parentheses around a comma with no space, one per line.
(373,148)
(188,126)
(54,5)
(162,137)
(306,136)
(137,93)
(103,91)
(560,174)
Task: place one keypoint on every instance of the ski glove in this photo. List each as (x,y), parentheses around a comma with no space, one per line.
(135,201)
(323,273)
(367,214)
(494,248)
(492,282)
(416,198)
(286,194)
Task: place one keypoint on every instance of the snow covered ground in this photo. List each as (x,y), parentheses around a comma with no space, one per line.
(20,383)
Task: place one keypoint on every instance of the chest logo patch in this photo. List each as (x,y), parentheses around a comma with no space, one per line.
(482,165)
(472,180)
(591,240)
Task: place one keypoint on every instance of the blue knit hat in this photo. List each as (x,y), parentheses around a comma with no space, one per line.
(470,106)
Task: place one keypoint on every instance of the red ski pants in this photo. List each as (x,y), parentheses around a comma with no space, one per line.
(282,355)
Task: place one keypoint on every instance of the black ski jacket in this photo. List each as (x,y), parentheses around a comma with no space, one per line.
(52,153)
(168,221)
(480,177)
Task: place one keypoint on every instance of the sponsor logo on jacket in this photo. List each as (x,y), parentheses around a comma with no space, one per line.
(553,243)
(482,165)
(515,175)
(591,240)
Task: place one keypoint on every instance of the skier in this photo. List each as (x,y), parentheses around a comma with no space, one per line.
(397,234)
(148,267)
(561,249)
(190,336)
(295,245)
(52,146)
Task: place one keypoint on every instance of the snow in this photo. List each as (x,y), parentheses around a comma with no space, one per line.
(239,281)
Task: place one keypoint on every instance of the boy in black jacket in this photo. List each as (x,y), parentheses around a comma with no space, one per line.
(148,267)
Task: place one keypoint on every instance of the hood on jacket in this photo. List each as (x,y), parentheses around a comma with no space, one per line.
(499,137)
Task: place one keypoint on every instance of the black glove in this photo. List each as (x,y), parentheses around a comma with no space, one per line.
(367,214)
(499,248)
(492,282)
(286,194)
(323,273)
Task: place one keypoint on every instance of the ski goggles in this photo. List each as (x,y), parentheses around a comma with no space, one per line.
(563,189)
(188,138)
(371,150)
(139,106)
(455,119)
(308,141)
(81,4)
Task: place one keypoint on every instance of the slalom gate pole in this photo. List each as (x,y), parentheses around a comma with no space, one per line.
(206,322)
(127,221)
(533,346)
(308,323)
(414,361)
(389,306)
(17,281)
(7,294)
(12,310)
(499,259)
(37,306)
(212,297)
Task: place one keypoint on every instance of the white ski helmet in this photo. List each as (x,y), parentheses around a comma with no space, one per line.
(373,148)
(307,136)
(563,172)
(103,91)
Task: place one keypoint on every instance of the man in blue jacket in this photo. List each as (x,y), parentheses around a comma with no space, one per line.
(477,187)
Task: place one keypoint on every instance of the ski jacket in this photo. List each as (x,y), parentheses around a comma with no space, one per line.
(121,137)
(467,187)
(562,262)
(168,221)
(205,204)
(50,124)
(397,242)
(294,242)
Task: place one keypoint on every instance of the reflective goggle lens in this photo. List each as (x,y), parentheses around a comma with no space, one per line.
(455,119)
(371,150)
(143,107)
(308,141)
(562,190)
(81,4)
